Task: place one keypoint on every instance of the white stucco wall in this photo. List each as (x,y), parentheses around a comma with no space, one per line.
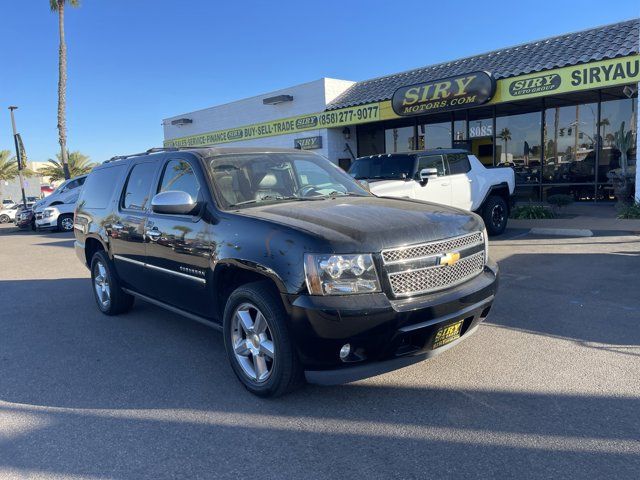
(311,97)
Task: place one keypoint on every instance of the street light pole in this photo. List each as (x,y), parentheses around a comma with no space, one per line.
(18,155)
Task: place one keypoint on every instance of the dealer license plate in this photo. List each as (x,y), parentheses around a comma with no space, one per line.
(447,334)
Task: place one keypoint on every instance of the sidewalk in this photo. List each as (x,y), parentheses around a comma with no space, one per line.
(589,217)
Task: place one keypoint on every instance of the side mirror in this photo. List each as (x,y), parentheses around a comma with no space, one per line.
(426,174)
(173,202)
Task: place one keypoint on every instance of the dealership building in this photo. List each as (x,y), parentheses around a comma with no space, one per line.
(562,112)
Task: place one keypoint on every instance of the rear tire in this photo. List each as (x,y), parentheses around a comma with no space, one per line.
(4,218)
(65,222)
(107,292)
(495,214)
(258,343)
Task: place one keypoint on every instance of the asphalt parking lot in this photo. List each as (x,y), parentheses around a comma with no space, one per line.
(549,387)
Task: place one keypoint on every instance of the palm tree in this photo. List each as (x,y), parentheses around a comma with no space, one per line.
(505,136)
(77,164)
(58,6)
(9,167)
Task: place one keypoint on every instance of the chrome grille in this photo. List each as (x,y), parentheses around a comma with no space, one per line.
(435,248)
(431,279)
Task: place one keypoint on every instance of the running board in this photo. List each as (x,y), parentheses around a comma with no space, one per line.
(171,308)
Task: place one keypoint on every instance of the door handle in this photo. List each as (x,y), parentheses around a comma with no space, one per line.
(153,234)
(117,227)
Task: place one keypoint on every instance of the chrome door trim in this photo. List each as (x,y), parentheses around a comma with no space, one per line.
(165,270)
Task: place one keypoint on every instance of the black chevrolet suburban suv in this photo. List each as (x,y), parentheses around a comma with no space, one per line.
(307,274)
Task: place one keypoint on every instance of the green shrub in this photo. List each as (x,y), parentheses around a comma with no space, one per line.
(531,212)
(560,200)
(630,210)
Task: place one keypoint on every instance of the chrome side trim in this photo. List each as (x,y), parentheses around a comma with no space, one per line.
(177,274)
(160,269)
(171,308)
(130,260)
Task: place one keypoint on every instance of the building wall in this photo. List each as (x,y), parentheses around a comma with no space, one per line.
(311,97)
(11,189)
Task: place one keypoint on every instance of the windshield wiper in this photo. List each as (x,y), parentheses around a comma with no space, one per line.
(271,198)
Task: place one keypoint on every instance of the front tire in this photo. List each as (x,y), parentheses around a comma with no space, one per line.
(258,343)
(65,223)
(4,218)
(495,214)
(107,292)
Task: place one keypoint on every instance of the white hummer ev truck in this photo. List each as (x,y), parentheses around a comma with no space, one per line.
(451,177)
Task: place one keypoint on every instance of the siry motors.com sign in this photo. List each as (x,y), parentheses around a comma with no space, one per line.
(452,93)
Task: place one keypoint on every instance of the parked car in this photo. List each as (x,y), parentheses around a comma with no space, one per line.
(67,192)
(25,217)
(307,274)
(450,177)
(7,203)
(9,214)
(59,217)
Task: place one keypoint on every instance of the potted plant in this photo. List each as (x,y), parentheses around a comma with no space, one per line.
(622,178)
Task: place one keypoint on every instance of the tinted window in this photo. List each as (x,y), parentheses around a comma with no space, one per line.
(138,190)
(395,167)
(100,186)
(432,161)
(458,163)
(178,175)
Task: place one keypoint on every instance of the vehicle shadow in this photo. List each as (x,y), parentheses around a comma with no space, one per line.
(137,394)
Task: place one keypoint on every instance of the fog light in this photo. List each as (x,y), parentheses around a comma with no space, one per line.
(345,351)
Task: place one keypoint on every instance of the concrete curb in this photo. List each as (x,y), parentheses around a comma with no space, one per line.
(562,232)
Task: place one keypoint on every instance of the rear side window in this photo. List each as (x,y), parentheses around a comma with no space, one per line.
(99,187)
(432,161)
(458,163)
(179,175)
(137,192)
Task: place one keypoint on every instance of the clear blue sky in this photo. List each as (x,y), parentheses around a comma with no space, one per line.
(134,62)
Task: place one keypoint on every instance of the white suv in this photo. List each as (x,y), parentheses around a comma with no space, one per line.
(58,217)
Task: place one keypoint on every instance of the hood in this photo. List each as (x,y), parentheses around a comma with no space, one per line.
(369,224)
(390,187)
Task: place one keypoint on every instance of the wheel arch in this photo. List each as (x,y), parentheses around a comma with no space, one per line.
(230,274)
(501,190)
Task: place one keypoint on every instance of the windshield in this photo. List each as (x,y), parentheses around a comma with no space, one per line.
(250,179)
(383,167)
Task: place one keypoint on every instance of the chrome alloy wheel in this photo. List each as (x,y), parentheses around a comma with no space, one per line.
(67,224)
(101,285)
(497,215)
(252,342)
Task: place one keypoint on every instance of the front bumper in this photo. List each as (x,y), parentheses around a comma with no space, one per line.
(384,334)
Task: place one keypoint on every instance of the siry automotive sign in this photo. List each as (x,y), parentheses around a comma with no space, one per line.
(539,84)
(452,93)
(308,143)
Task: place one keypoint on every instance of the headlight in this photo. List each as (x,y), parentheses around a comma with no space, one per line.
(340,274)
(47,213)
(486,245)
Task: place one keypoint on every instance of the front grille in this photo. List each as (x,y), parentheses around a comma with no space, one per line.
(431,279)
(397,255)
(38,216)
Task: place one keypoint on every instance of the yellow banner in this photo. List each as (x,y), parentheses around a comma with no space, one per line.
(302,123)
(608,73)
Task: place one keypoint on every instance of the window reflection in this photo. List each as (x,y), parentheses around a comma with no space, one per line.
(570,139)
(435,135)
(398,139)
(518,145)
(617,117)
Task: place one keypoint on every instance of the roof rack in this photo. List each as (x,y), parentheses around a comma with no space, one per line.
(151,150)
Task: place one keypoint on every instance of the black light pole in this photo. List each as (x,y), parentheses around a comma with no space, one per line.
(18,156)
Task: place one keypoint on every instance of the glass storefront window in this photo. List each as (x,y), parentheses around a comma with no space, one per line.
(398,139)
(481,140)
(617,118)
(570,142)
(435,135)
(459,130)
(518,146)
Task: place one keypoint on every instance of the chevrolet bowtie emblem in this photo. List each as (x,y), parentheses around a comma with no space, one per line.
(449,258)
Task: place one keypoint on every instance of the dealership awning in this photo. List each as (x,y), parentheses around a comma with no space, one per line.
(596,44)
